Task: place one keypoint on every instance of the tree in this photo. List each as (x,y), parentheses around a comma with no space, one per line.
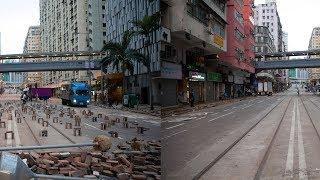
(146,26)
(120,56)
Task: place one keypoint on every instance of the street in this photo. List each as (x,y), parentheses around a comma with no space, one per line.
(39,123)
(264,137)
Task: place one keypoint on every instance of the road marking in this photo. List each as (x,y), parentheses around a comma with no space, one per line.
(9,140)
(174,134)
(175,126)
(302,159)
(247,106)
(226,110)
(16,133)
(152,122)
(221,116)
(289,164)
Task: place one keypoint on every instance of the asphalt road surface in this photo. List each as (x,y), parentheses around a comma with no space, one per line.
(265,137)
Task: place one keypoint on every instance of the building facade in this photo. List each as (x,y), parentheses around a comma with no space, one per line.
(197,31)
(119,15)
(314,43)
(240,42)
(263,40)
(267,15)
(71,25)
(32,45)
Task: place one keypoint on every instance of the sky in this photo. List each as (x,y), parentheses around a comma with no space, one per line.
(15,18)
(298,18)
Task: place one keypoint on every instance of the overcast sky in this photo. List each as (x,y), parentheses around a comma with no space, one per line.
(298,17)
(15,18)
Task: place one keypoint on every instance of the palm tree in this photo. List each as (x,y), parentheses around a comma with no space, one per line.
(120,56)
(145,27)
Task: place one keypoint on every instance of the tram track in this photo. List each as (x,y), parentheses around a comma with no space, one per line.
(231,146)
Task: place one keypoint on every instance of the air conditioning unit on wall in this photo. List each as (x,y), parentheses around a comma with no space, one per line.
(165,35)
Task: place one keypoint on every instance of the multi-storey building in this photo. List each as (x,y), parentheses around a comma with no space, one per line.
(119,15)
(314,43)
(71,25)
(249,41)
(285,41)
(240,42)
(263,40)
(267,15)
(32,45)
(196,33)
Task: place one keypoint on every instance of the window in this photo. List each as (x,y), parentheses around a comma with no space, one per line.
(267,17)
(271,10)
(263,17)
(198,11)
(263,11)
(239,54)
(238,35)
(267,10)
(239,17)
(219,29)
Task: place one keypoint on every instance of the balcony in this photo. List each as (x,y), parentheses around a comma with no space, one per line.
(193,30)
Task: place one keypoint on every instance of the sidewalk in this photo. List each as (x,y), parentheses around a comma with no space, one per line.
(141,109)
(181,109)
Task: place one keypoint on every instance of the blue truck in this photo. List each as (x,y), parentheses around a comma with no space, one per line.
(75,94)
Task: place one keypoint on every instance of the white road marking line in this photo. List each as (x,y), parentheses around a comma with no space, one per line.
(175,126)
(289,164)
(221,116)
(226,110)
(9,140)
(16,133)
(247,106)
(152,122)
(174,134)
(302,159)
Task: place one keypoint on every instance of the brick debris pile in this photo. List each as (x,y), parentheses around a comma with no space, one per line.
(135,159)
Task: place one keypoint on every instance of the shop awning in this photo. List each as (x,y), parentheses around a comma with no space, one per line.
(266,75)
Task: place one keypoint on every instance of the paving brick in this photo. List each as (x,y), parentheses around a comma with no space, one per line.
(107,173)
(76,173)
(123,176)
(138,177)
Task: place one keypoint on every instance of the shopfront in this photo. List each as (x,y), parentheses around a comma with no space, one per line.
(214,87)
(170,74)
(196,85)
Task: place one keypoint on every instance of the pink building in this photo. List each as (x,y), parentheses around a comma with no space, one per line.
(239,39)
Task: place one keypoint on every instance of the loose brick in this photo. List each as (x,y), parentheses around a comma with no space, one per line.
(138,177)
(76,173)
(107,173)
(124,160)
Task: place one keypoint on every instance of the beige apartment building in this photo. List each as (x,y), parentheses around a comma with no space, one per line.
(67,26)
(32,45)
(314,43)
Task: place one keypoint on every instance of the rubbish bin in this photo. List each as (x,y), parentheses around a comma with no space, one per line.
(130,100)
(126,100)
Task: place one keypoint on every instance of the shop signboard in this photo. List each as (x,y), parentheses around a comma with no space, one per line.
(171,71)
(218,40)
(230,78)
(197,76)
(215,77)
